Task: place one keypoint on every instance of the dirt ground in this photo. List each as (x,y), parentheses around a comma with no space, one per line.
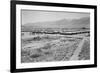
(43,48)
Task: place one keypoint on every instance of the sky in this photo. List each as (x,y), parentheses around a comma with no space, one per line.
(33,16)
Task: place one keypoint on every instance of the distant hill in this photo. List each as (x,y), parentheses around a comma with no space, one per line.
(83,22)
(64,23)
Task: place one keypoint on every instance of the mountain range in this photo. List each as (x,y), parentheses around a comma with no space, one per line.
(63,23)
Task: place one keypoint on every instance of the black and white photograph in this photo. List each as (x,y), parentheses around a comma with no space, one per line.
(52,36)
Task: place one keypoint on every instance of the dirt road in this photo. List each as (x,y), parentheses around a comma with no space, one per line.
(78,50)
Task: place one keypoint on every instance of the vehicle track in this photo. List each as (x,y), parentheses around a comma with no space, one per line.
(78,50)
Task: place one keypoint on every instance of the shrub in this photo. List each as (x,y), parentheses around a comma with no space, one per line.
(35,55)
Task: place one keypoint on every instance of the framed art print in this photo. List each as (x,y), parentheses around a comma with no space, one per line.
(52,36)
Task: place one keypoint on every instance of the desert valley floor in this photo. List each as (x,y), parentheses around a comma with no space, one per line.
(55,47)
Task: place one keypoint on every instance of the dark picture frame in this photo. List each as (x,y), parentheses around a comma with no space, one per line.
(13,35)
